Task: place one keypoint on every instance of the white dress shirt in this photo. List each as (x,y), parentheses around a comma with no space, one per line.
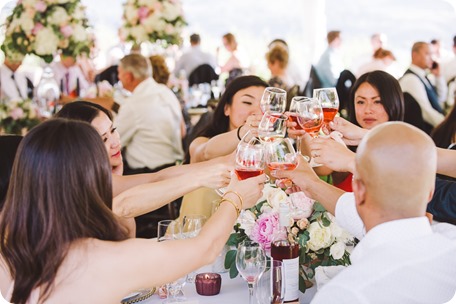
(74,73)
(193,58)
(149,124)
(329,67)
(403,261)
(411,84)
(13,89)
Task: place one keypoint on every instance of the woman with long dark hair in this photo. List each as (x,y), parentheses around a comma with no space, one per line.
(59,239)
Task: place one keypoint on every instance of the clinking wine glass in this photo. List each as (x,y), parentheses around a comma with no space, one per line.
(272,126)
(249,157)
(329,101)
(251,263)
(273,100)
(311,119)
(296,103)
(280,155)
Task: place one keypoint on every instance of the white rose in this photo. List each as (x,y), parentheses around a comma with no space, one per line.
(29,3)
(170,11)
(148,3)
(131,14)
(59,16)
(139,33)
(335,230)
(320,236)
(247,220)
(337,250)
(46,42)
(26,24)
(276,197)
(78,13)
(79,33)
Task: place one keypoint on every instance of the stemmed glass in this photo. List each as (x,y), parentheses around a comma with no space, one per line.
(273,100)
(271,285)
(191,227)
(251,263)
(296,103)
(249,158)
(171,230)
(280,155)
(272,126)
(329,101)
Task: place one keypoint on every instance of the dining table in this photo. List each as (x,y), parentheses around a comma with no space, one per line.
(233,291)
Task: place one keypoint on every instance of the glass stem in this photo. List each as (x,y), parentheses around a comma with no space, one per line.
(298,144)
(251,293)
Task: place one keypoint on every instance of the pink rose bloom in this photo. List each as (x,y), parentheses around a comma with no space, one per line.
(38,27)
(302,204)
(17,113)
(265,229)
(143,12)
(40,6)
(66,30)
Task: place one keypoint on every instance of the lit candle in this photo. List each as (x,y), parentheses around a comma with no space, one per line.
(208,284)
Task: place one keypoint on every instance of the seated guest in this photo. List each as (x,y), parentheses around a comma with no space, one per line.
(330,64)
(387,214)
(61,207)
(70,77)
(150,121)
(162,184)
(8,148)
(277,60)
(381,60)
(193,57)
(429,96)
(292,70)
(444,134)
(15,84)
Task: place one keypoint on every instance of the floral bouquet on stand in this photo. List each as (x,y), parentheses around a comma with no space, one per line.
(321,241)
(43,27)
(153,20)
(17,117)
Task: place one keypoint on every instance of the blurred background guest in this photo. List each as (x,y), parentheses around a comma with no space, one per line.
(330,64)
(69,76)
(444,134)
(15,83)
(381,60)
(277,60)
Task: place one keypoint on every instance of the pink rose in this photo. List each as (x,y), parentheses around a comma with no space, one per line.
(143,12)
(17,113)
(66,30)
(40,6)
(265,229)
(302,204)
(38,27)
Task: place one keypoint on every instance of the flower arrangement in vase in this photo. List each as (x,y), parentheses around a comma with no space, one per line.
(18,116)
(44,27)
(321,241)
(153,20)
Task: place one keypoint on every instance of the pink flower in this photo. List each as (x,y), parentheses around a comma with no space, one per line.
(265,229)
(17,113)
(157,6)
(66,30)
(40,6)
(38,27)
(143,12)
(302,204)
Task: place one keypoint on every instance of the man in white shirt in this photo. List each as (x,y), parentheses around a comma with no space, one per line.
(400,258)
(14,83)
(193,58)
(430,96)
(150,120)
(330,64)
(70,78)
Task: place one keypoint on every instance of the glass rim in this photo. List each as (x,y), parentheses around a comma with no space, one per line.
(275,90)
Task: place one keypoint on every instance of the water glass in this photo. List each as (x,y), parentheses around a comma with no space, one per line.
(271,285)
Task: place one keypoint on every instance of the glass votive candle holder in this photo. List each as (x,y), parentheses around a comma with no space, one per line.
(208,283)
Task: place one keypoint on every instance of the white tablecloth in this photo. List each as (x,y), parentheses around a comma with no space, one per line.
(233,291)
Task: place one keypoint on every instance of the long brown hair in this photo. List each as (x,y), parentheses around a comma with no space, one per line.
(60,191)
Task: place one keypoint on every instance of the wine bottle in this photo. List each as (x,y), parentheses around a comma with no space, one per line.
(287,251)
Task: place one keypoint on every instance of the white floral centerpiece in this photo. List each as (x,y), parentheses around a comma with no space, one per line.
(43,27)
(321,241)
(18,116)
(152,20)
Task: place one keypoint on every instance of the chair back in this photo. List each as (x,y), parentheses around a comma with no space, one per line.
(413,114)
(344,84)
(202,74)
(314,82)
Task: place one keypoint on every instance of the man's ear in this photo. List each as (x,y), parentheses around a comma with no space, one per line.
(359,190)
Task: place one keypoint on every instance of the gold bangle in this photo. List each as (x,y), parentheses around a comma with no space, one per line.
(238,211)
(237,194)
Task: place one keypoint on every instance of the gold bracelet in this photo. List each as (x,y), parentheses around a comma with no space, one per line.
(238,211)
(237,194)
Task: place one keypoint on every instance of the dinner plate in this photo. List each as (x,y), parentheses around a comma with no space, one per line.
(138,296)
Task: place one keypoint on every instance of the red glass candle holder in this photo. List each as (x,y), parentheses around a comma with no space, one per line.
(208,283)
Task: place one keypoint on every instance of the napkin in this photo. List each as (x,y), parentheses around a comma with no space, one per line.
(323,274)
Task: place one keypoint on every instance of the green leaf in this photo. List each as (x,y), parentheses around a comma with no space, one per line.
(233,240)
(326,222)
(319,207)
(230,258)
(302,284)
(233,271)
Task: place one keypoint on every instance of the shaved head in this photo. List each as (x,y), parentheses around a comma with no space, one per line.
(395,171)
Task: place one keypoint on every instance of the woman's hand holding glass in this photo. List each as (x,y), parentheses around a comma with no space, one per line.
(273,100)
(329,101)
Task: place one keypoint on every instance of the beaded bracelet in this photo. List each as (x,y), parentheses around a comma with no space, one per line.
(237,194)
(238,211)
(238,132)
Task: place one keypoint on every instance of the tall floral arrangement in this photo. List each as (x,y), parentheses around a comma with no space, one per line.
(18,116)
(321,241)
(152,20)
(43,27)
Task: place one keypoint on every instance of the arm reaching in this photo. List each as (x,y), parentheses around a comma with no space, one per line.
(352,134)
(332,154)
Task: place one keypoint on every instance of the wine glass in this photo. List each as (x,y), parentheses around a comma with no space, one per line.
(280,155)
(272,126)
(251,263)
(311,118)
(249,158)
(171,230)
(273,100)
(191,227)
(296,103)
(271,285)
(329,101)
